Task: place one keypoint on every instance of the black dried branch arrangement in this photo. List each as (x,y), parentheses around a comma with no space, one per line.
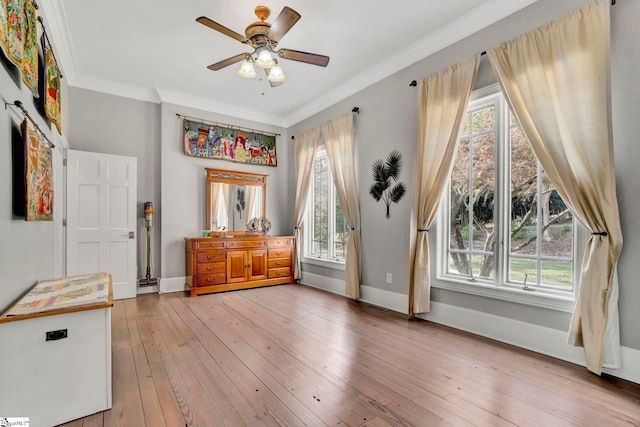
(384,173)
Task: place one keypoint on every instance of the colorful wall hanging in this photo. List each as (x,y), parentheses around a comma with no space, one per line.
(4,27)
(39,175)
(52,86)
(30,51)
(15,30)
(214,141)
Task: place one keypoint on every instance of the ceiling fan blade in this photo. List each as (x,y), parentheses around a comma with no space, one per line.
(309,58)
(221,28)
(283,23)
(226,62)
(273,84)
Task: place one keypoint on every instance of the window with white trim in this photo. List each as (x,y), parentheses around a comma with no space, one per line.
(502,224)
(325,227)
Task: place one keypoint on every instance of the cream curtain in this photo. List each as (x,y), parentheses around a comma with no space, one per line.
(339,138)
(442,99)
(305,152)
(254,202)
(218,205)
(556,80)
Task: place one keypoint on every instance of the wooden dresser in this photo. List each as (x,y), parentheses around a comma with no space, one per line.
(217,264)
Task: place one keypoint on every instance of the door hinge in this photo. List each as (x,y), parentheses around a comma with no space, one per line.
(64,222)
(64,162)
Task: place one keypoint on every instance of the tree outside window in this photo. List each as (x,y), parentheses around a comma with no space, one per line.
(498,192)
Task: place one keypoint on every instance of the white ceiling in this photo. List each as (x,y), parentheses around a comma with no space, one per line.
(154,50)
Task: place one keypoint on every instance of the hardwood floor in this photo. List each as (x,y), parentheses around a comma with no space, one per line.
(293,355)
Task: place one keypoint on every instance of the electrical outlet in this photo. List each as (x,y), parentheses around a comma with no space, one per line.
(389,278)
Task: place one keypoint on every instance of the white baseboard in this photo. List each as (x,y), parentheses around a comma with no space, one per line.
(540,339)
(171,284)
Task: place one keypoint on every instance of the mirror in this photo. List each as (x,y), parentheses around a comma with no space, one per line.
(233,198)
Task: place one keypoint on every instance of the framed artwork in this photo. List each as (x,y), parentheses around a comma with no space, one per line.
(214,141)
(38,175)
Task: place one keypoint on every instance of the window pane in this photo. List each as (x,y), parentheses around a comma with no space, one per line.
(340,246)
(459,214)
(483,191)
(557,237)
(320,232)
(483,265)
(520,268)
(557,273)
(458,263)
(524,187)
(484,120)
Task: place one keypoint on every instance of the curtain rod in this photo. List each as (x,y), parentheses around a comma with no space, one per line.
(44,31)
(484,52)
(227,124)
(25,113)
(353,110)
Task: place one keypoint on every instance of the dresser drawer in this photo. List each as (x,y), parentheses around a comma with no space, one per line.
(206,257)
(280,253)
(211,268)
(279,272)
(212,279)
(210,245)
(274,243)
(279,263)
(235,244)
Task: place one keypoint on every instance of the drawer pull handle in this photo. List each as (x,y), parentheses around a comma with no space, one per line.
(209,279)
(278,263)
(278,252)
(56,335)
(209,257)
(210,268)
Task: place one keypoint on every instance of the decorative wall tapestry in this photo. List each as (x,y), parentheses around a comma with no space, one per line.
(383,173)
(52,86)
(214,141)
(39,175)
(4,27)
(30,53)
(15,30)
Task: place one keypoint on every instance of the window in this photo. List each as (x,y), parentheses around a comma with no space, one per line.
(325,227)
(503,225)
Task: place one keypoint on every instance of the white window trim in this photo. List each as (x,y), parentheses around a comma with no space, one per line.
(307,238)
(499,290)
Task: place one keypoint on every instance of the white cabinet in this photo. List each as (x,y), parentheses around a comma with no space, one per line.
(57,380)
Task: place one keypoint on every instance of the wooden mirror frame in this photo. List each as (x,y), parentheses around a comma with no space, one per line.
(234,177)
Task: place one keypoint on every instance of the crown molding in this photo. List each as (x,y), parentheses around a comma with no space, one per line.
(204,104)
(52,12)
(477,19)
(115,88)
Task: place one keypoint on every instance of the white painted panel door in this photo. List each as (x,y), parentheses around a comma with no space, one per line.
(101,218)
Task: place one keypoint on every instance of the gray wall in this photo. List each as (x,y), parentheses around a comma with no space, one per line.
(110,124)
(27,249)
(387,120)
(183,185)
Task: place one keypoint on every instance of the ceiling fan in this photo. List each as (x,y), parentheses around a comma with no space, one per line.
(264,37)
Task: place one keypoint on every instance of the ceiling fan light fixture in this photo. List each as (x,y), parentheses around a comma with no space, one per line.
(276,75)
(264,58)
(247,71)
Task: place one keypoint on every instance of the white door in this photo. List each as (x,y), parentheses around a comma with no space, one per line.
(101,218)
